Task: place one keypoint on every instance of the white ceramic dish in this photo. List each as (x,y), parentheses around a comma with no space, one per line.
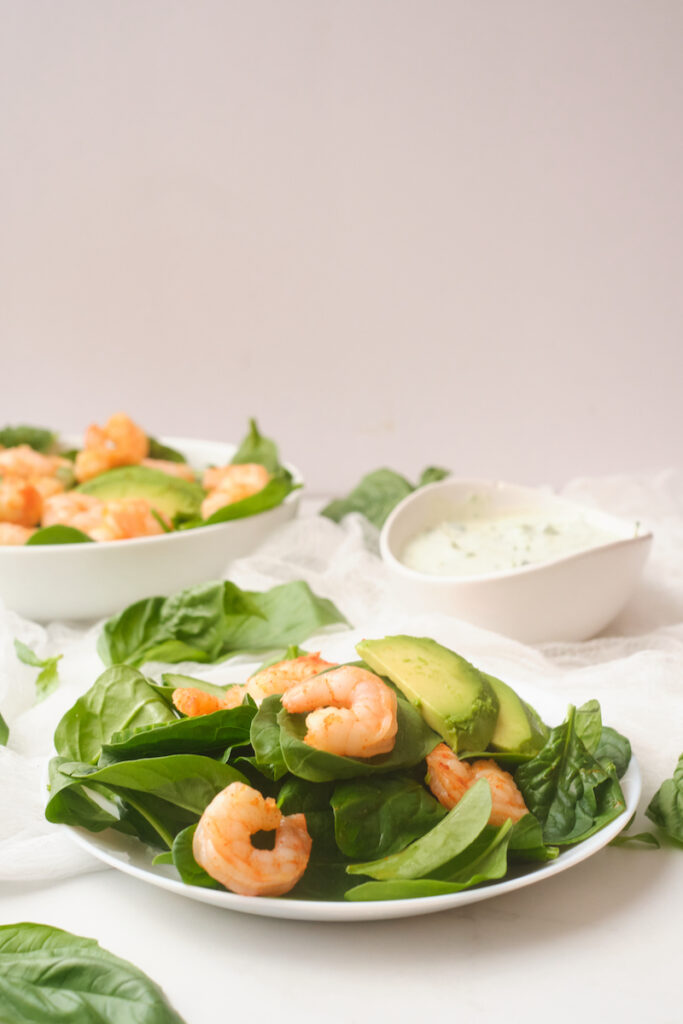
(132,857)
(567,599)
(89,581)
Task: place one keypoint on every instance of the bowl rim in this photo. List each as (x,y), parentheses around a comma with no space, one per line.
(174,535)
(547,497)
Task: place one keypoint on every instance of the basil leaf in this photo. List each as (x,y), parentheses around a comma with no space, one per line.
(49,976)
(212,621)
(59,534)
(570,793)
(39,438)
(666,806)
(257,448)
(414,740)
(378,493)
(380,816)
(121,698)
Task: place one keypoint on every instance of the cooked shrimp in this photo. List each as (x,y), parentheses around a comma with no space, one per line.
(81,511)
(191,701)
(285,674)
(247,477)
(352,712)
(222,843)
(121,442)
(125,518)
(102,520)
(11,533)
(23,461)
(449,778)
(179,469)
(20,502)
(227,484)
(47,486)
(507,801)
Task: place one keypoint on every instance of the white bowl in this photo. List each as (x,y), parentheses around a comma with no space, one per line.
(569,598)
(89,581)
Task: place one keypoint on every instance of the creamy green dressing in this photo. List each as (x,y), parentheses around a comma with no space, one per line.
(476,542)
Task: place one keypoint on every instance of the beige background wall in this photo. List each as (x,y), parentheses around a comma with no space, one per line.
(397,232)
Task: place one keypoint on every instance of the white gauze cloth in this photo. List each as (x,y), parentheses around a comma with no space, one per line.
(635,669)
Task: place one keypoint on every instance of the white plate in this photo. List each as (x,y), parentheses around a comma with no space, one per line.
(132,857)
(91,581)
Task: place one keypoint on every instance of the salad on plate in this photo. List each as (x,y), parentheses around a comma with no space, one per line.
(406,773)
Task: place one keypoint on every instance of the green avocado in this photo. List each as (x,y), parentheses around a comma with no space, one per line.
(169,495)
(519,729)
(454,698)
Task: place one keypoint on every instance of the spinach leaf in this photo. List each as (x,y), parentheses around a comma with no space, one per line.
(414,740)
(157,450)
(643,838)
(273,494)
(47,680)
(72,805)
(153,821)
(39,438)
(588,725)
(567,789)
(450,837)
(214,620)
(484,861)
(378,493)
(432,475)
(49,976)
(203,734)
(257,448)
(374,497)
(59,534)
(4,732)
(380,816)
(666,806)
(613,749)
(190,781)
(187,867)
(120,698)
(526,841)
(265,739)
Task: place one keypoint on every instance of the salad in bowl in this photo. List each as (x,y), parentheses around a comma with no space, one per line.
(88,525)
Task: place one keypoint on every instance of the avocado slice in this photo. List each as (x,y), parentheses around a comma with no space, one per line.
(169,495)
(454,698)
(519,729)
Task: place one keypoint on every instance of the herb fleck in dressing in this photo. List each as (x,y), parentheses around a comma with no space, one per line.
(478,542)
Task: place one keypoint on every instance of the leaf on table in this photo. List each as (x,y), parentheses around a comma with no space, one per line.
(49,975)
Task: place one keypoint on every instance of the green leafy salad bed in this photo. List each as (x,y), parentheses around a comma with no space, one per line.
(127,760)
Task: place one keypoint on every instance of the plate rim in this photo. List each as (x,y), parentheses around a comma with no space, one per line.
(104,845)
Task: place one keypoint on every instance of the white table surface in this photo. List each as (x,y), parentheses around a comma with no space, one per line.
(599,942)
